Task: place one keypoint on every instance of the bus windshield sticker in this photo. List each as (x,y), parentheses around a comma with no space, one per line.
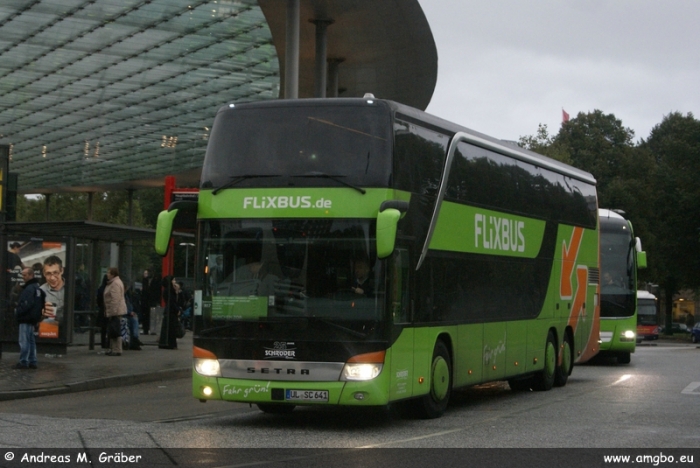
(238,307)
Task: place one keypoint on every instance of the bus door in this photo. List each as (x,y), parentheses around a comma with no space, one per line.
(398,286)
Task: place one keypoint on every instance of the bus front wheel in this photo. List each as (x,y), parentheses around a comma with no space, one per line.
(434,404)
(624,358)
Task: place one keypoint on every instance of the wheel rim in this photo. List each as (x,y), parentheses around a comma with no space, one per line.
(550,359)
(566,357)
(441,378)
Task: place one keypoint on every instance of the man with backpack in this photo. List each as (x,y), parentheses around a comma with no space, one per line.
(29,313)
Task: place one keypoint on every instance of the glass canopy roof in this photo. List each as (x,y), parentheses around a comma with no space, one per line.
(96,93)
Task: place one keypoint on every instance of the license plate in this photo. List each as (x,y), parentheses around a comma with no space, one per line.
(306,395)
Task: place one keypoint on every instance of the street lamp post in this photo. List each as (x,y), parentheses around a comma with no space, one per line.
(187,255)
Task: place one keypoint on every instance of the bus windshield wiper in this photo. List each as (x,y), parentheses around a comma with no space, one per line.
(236,179)
(337,178)
(347,330)
(614,304)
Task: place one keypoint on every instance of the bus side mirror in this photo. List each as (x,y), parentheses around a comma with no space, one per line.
(641,255)
(390,212)
(641,260)
(387,222)
(164,228)
(180,215)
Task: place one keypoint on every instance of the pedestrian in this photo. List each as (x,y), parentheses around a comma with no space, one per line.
(132,321)
(28,314)
(171,316)
(155,299)
(145,302)
(102,320)
(115,309)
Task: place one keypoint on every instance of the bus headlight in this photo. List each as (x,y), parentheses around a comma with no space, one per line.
(361,371)
(363,366)
(628,335)
(207,367)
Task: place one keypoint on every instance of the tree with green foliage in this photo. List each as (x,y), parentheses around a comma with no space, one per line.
(545,144)
(599,144)
(675,214)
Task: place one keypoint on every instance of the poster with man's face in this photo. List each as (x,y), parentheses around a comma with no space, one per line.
(54,288)
(47,260)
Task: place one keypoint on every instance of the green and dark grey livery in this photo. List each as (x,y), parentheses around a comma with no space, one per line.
(482,259)
(621,255)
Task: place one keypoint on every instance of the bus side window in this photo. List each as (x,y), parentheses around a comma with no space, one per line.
(399,285)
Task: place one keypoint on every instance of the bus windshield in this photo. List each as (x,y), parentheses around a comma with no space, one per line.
(290,270)
(618,291)
(274,145)
(646,312)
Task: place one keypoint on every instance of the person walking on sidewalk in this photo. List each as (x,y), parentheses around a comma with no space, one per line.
(171,317)
(115,308)
(145,302)
(102,320)
(28,313)
(132,321)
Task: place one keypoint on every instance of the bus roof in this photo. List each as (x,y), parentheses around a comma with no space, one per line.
(606,213)
(494,144)
(479,139)
(642,294)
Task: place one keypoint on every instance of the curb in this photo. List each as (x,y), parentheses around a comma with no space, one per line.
(98,384)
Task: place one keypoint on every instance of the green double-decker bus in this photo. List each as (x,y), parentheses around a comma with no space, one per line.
(620,255)
(360,252)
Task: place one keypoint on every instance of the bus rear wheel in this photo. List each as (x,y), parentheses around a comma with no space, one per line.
(567,362)
(275,409)
(544,380)
(434,404)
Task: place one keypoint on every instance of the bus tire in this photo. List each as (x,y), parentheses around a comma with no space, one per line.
(544,379)
(271,408)
(520,384)
(563,371)
(624,358)
(434,404)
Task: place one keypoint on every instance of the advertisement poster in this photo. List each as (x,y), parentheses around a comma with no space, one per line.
(47,260)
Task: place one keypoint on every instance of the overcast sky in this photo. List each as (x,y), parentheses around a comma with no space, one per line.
(504,66)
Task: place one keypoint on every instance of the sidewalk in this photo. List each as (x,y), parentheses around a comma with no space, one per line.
(81,369)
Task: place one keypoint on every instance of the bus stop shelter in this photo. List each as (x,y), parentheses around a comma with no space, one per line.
(68,240)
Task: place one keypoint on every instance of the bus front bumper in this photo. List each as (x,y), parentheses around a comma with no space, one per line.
(366,393)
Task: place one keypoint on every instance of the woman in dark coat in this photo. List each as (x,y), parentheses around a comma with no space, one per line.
(171,316)
(101,318)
